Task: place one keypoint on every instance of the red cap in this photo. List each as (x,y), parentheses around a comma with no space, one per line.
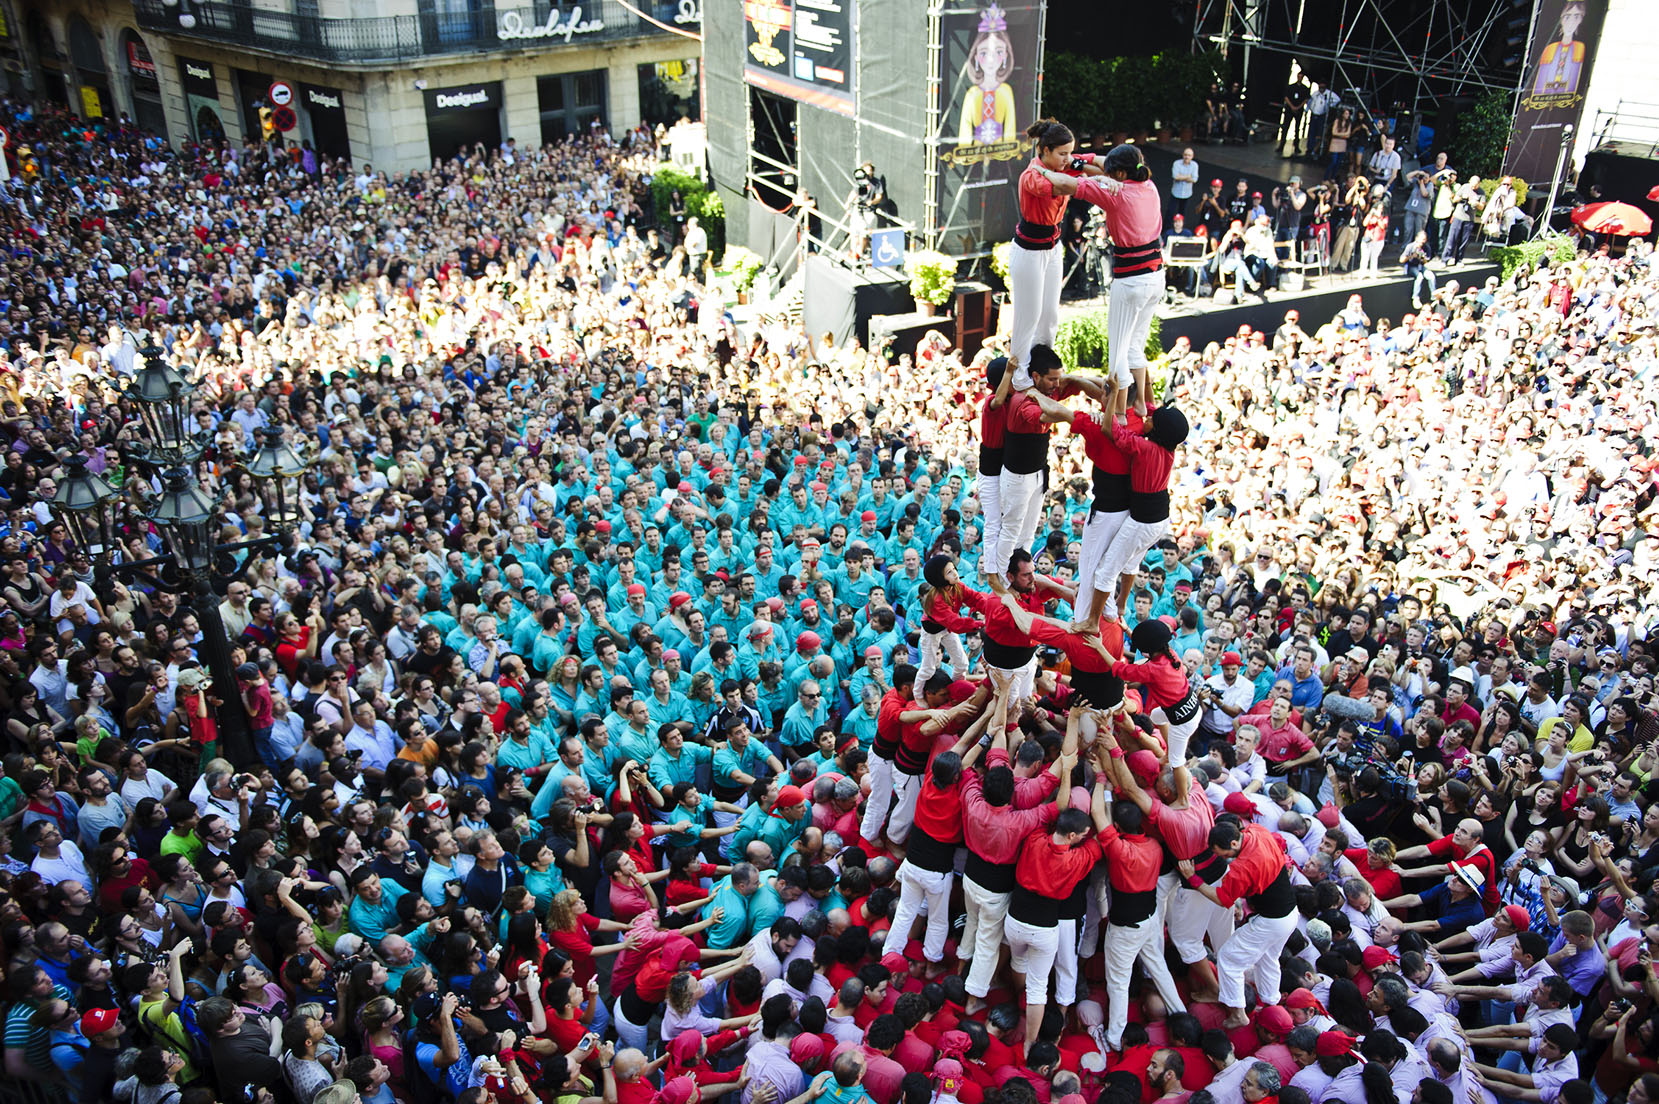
(867,515)
(685,488)
(873,650)
(1303,998)
(808,604)
(1231,659)
(1143,764)
(670,653)
(760,628)
(1216,183)
(775,604)
(1328,816)
(1273,1018)
(679,1090)
(801,461)
(636,590)
(789,797)
(716,471)
(808,640)
(678,599)
(895,962)
(602,525)
(806,1047)
(1519,917)
(1374,956)
(1334,1044)
(1240,805)
(817,486)
(98,1021)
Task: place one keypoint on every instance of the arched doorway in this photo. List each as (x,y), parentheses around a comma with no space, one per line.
(142,81)
(93,98)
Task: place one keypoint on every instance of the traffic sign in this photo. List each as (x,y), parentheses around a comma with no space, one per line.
(281,94)
(284,119)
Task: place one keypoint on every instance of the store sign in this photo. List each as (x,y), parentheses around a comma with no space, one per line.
(512,26)
(690,11)
(91,105)
(316,97)
(464,98)
(198,77)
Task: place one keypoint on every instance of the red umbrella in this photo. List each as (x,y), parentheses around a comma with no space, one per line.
(1653,193)
(1616,219)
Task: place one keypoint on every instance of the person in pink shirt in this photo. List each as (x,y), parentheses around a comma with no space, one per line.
(1134,218)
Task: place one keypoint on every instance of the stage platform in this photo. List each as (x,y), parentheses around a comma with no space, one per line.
(1202,321)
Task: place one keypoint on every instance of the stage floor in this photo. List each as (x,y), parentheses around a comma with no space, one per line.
(1203,320)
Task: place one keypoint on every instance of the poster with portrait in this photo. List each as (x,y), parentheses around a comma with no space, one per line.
(1564,40)
(991,59)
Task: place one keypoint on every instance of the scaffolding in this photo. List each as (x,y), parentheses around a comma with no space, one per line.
(1413,54)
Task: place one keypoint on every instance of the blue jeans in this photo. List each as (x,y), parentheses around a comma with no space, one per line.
(265,748)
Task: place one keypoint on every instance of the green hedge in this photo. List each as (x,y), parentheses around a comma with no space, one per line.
(700,201)
(1550,249)
(1103,95)
(1081,342)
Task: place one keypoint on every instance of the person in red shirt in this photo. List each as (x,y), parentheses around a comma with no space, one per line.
(1464,847)
(1151,459)
(1051,865)
(1110,479)
(927,874)
(1134,928)
(992,422)
(1168,695)
(1258,873)
(887,786)
(1008,649)
(1025,455)
(940,597)
(1034,264)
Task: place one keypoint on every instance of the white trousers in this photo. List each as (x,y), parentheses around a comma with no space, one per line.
(986,913)
(1034,277)
(989,492)
(1022,511)
(907,788)
(1032,952)
(932,644)
(1257,944)
(1124,946)
(1098,532)
(1123,557)
(886,784)
(1192,916)
(1024,678)
(1134,300)
(1179,735)
(1065,964)
(921,892)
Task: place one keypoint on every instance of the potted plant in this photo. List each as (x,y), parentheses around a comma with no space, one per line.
(932,279)
(999,261)
(744,265)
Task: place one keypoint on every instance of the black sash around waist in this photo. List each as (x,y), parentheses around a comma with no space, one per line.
(989,876)
(1149,507)
(990,460)
(1132,260)
(1025,453)
(1101,689)
(1111,491)
(1033,908)
(1006,656)
(1036,235)
(1277,900)
(1184,710)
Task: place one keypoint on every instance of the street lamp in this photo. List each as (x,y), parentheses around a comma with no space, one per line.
(186,516)
(84,501)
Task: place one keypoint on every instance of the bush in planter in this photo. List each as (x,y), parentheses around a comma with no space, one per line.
(1549,250)
(932,276)
(744,265)
(706,205)
(999,261)
(1081,342)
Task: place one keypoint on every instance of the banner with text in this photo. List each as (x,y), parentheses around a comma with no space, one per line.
(990,58)
(802,49)
(1564,41)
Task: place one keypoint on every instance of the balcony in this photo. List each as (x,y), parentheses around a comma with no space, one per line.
(473,28)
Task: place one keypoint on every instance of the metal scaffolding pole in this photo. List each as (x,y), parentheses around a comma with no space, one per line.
(930,156)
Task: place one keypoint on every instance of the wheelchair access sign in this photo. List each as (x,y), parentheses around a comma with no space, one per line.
(887,248)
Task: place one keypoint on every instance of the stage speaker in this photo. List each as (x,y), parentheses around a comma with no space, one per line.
(973,318)
(907,330)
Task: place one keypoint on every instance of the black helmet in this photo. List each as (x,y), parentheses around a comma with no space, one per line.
(1151,637)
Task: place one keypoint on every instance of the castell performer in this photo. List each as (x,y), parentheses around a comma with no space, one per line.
(1035,263)
(1134,218)
(1170,699)
(993,417)
(1151,454)
(941,598)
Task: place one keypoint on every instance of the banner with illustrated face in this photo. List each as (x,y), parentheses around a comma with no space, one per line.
(990,58)
(803,49)
(1564,43)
